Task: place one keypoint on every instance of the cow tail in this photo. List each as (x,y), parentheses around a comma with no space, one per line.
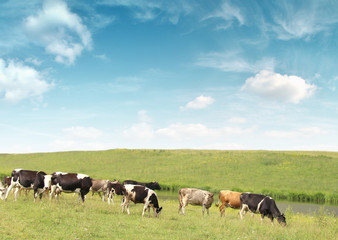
(180,194)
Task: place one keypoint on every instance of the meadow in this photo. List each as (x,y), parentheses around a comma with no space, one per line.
(66,219)
(308,176)
(293,176)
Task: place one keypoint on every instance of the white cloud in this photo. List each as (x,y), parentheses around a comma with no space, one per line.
(232,62)
(59,30)
(80,132)
(143,116)
(179,130)
(237,120)
(195,130)
(229,14)
(303,132)
(146,10)
(18,81)
(199,103)
(139,131)
(275,86)
(304,21)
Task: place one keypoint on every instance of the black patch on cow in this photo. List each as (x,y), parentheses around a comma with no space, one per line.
(153,200)
(26,177)
(151,185)
(141,193)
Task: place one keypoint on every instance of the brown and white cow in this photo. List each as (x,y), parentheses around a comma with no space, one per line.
(141,194)
(21,179)
(99,186)
(228,199)
(70,183)
(195,196)
(115,188)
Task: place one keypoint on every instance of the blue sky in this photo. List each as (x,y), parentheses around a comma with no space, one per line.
(95,75)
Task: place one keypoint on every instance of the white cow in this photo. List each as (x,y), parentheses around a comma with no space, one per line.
(195,196)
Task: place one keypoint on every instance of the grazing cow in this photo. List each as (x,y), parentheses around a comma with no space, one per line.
(115,188)
(195,196)
(261,204)
(42,183)
(21,179)
(150,185)
(70,183)
(141,194)
(99,186)
(228,199)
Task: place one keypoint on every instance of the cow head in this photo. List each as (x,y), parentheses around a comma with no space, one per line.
(47,181)
(118,188)
(281,219)
(158,211)
(156,185)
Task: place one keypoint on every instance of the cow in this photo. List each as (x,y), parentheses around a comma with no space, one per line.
(21,179)
(70,183)
(261,204)
(99,186)
(228,199)
(141,194)
(115,188)
(150,185)
(195,196)
(41,183)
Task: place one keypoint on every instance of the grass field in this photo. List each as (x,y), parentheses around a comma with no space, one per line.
(296,176)
(66,219)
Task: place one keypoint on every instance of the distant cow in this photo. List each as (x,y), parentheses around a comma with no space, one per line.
(21,179)
(41,183)
(195,196)
(151,185)
(115,188)
(261,204)
(70,183)
(141,194)
(99,186)
(228,199)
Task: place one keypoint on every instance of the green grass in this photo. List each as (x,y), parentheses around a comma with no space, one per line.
(291,175)
(66,219)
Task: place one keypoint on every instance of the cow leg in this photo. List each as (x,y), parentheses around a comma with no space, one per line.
(103,196)
(243,210)
(16,193)
(203,209)
(13,184)
(52,191)
(99,194)
(222,209)
(92,194)
(208,211)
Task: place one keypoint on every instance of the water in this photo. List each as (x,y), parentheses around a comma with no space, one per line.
(296,207)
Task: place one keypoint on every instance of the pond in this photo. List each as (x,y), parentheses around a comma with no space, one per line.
(296,207)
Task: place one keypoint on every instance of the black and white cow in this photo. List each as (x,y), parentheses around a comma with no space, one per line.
(151,185)
(21,179)
(261,204)
(141,194)
(115,188)
(41,183)
(70,183)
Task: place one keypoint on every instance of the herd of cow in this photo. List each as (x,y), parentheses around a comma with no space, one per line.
(136,192)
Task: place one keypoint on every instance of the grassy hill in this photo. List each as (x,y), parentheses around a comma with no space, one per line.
(298,176)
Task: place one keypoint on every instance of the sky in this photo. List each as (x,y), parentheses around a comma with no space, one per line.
(136,74)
